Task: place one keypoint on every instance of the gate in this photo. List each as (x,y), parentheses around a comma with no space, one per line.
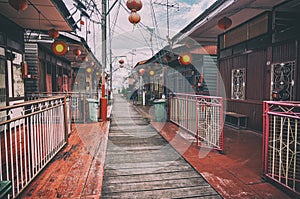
(281,144)
(200,115)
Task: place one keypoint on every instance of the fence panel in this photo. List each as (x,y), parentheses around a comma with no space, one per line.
(200,115)
(30,140)
(77,103)
(281,145)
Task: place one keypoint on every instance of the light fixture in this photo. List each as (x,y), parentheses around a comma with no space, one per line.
(59,48)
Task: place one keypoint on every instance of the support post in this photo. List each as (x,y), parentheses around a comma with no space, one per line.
(103,27)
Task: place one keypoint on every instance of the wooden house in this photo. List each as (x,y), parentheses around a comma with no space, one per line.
(258,52)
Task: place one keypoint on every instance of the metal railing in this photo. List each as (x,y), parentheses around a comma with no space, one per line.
(31,134)
(201,115)
(281,144)
(78,103)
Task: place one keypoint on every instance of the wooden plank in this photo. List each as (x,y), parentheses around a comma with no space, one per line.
(147,167)
(184,192)
(154,185)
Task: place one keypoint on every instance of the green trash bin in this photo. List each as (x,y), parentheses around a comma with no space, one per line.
(5,188)
(93,109)
(160,110)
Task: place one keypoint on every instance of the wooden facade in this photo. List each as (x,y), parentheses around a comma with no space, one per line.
(48,73)
(11,57)
(257,64)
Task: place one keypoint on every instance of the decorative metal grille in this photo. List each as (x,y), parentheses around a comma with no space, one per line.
(238,84)
(282,144)
(283,80)
(200,115)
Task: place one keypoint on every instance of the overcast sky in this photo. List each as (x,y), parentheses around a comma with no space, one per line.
(137,43)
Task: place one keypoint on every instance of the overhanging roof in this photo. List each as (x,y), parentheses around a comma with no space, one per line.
(204,28)
(40,15)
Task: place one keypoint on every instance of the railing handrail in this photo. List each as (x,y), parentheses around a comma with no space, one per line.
(191,111)
(195,95)
(32,133)
(284,103)
(30,102)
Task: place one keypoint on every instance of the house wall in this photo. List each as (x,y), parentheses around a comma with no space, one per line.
(258,78)
(11,57)
(255,65)
(48,73)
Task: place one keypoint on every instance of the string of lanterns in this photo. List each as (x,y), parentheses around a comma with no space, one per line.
(134,6)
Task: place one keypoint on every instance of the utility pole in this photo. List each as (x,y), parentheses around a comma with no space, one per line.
(168,5)
(103,100)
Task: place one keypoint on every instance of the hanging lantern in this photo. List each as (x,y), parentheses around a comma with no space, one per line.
(121,61)
(97,73)
(134,4)
(59,48)
(19,5)
(76,52)
(167,58)
(85,59)
(88,69)
(142,71)
(185,59)
(53,33)
(134,18)
(151,72)
(224,23)
(81,22)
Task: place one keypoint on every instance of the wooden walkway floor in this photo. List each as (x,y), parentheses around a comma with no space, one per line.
(141,164)
(77,171)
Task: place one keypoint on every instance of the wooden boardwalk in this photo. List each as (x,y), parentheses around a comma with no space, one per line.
(141,164)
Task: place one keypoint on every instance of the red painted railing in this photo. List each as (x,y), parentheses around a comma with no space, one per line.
(201,115)
(281,144)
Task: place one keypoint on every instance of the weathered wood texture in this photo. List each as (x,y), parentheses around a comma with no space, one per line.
(141,164)
(77,171)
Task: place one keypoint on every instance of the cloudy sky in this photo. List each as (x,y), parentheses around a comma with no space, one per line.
(154,20)
(139,42)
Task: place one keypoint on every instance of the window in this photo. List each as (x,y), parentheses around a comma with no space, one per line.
(2,84)
(238,84)
(282,81)
(17,79)
(18,83)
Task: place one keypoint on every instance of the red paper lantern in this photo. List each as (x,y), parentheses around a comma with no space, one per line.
(59,48)
(134,18)
(19,5)
(85,59)
(88,70)
(76,52)
(224,23)
(121,61)
(81,22)
(142,71)
(185,59)
(134,5)
(167,58)
(151,73)
(53,33)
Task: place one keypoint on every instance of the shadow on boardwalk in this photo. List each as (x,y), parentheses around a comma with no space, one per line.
(140,163)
